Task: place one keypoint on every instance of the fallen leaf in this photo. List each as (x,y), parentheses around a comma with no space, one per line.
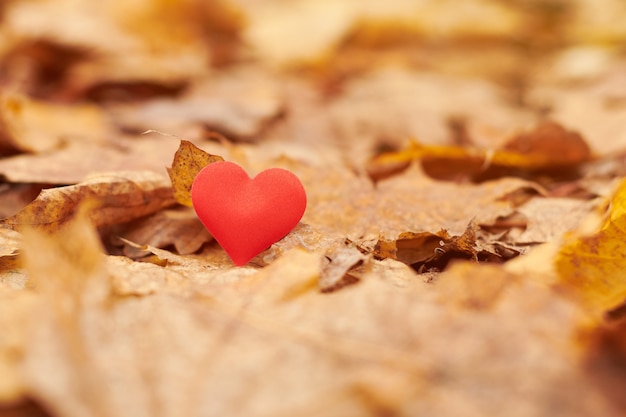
(171,227)
(188,161)
(129,278)
(16,196)
(327,90)
(427,252)
(9,242)
(335,272)
(605,358)
(546,148)
(419,106)
(239,104)
(594,108)
(12,274)
(464,292)
(15,309)
(413,202)
(127,46)
(271,26)
(548,220)
(79,160)
(32,126)
(117,198)
(592,265)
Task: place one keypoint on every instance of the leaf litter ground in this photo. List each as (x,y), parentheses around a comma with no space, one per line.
(460,253)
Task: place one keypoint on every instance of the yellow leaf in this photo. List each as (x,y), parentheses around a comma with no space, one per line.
(188,161)
(594,265)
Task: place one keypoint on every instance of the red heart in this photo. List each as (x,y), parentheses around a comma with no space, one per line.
(246,215)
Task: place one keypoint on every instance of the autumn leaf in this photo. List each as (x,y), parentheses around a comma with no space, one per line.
(34,126)
(336,271)
(116,198)
(452,250)
(548,146)
(426,251)
(593,265)
(9,242)
(188,161)
(179,227)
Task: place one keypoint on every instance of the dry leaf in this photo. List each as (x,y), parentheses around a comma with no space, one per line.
(605,357)
(420,106)
(548,219)
(271,26)
(593,108)
(335,272)
(239,104)
(178,227)
(79,160)
(427,252)
(319,88)
(129,278)
(593,265)
(188,161)
(413,202)
(9,242)
(548,147)
(31,126)
(117,198)
(16,308)
(130,42)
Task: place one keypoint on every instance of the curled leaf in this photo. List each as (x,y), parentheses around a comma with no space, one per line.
(427,251)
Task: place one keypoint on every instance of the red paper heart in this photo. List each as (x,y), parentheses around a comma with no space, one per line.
(247,215)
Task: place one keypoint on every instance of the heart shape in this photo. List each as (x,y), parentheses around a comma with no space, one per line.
(247,215)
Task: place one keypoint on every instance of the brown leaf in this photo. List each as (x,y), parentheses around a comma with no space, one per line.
(413,202)
(460,287)
(16,196)
(605,358)
(9,242)
(79,160)
(238,104)
(32,126)
(548,219)
(547,147)
(15,309)
(385,332)
(188,161)
(129,278)
(178,227)
(419,109)
(65,299)
(117,198)
(433,251)
(335,272)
